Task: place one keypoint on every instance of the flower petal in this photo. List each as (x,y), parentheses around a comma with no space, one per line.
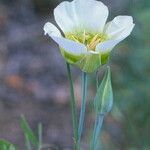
(68,45)
(120,27)
(106,46)
(81,15)
(51,30)
(117,30)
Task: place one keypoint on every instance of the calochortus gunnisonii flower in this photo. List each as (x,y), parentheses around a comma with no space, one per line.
(88,39)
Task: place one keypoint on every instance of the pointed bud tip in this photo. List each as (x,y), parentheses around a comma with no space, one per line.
(108,68)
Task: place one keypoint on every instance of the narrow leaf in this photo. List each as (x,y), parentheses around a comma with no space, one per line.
(11,147)
(6,145)
(40,136)
(28,144)
(28,132)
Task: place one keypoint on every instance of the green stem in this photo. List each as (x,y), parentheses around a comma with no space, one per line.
(98,122)
(97,129)
(73,108)
(94,132)
(83,106)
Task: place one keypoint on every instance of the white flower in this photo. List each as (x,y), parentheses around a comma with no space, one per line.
(88,39)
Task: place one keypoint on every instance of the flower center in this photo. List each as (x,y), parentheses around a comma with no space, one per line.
(89,39)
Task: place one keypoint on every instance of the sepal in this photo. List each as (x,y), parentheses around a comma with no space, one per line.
(89,62)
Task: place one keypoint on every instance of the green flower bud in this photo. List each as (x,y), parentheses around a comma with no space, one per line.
(104,97)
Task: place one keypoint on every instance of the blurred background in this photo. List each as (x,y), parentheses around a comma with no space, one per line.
(33,79)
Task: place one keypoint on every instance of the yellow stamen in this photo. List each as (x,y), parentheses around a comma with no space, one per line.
(89,39)
(74,38)
(84,36)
